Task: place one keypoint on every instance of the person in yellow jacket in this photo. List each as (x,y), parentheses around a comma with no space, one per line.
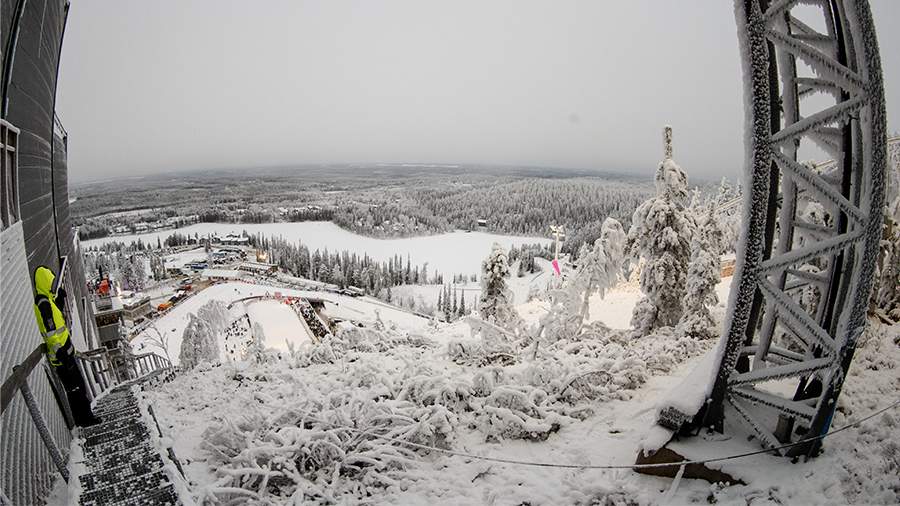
(60,351)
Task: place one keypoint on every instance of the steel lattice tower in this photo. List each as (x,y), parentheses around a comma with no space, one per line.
(807,257)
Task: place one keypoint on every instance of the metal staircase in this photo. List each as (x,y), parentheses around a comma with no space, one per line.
(120,457)
(123,464)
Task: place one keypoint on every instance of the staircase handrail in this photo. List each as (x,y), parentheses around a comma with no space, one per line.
(18,381)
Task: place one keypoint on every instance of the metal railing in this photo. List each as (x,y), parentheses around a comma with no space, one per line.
(18,381)
(101,371)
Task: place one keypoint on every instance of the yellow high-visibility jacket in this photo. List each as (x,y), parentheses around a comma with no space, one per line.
(55,332)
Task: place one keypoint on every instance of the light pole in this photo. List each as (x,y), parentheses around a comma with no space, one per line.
(557,231)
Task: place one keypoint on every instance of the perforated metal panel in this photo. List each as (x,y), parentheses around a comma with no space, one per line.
(26,472)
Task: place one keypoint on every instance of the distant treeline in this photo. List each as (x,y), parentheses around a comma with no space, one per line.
(343,268)
(524,207)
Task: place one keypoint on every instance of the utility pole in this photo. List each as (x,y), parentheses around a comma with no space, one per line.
(558,232)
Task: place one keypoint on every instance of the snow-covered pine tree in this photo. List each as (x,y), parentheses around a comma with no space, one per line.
(455,307)
(603,265)
(198,344)
(132,271)
(462,303)
(704,273)
(495,305)
(337,276)
(447,302)
(157,267)
(661,234)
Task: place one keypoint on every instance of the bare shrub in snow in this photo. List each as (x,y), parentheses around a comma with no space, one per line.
(474,353)
(514,413)
(327,440)
(611,365)
(351,339)
(158,339)
(426,389)
(587,385)
(364,339)
(326,433)
(484,381)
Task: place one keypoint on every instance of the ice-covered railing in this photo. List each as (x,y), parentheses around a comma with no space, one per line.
(103,370)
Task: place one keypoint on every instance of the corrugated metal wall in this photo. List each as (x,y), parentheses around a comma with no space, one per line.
(26,472)
(30,96)
(31,33)
(61,195)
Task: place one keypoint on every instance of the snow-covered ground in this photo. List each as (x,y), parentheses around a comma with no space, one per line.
(413,392)
(179,260)
(614,308)
(279,323)
(173,323)
(451,253)
(315,410)
(425,296)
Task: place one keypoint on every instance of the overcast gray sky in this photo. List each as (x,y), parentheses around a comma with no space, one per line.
(149,87)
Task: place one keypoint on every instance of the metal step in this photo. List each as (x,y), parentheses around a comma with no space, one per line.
(123,465)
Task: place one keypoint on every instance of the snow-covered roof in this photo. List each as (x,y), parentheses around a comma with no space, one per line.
(257,266)
(222,273)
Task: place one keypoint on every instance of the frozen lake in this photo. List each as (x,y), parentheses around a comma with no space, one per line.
(451,253)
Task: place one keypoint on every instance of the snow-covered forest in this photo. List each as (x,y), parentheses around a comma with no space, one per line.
(391,202)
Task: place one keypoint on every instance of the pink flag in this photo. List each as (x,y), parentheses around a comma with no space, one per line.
(556,267)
